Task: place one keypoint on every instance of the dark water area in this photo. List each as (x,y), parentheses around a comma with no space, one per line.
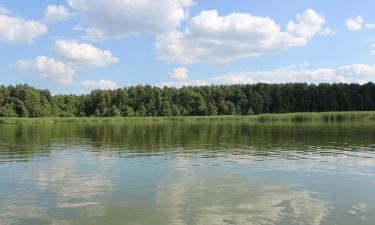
(218,172)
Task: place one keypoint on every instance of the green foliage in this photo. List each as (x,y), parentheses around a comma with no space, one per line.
(148,101)
(8,110)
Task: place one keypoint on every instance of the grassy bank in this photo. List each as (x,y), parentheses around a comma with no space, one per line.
(320,116)
(265,118)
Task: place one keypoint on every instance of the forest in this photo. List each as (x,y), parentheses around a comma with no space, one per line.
(149,101)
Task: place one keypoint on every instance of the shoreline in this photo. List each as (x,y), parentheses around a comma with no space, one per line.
(262,118)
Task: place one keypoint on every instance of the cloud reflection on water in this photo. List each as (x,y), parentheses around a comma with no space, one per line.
(225,198)
(68,186)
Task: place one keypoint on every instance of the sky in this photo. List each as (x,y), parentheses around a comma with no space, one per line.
(75,46)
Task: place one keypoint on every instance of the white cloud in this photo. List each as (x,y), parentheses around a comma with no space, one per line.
(328,31)
(180,74)
(308,24)
(354,23)
(357,73)
(19,30)
(91,34)
(70,55)
(118,18)
(212,38)
(101,84)
(56,13)
(83,54)
(358,23)
(50,68)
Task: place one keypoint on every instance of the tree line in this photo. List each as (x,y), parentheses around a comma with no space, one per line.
(141,101)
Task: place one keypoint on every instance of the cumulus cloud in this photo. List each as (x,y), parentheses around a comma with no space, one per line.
(70,55)
(56,13)
(19,30)
(117,18)
(358,23)
(50,68)
(83,54)
(212,38)
(308,24)
(357,73)
(354,23)
(180,74)
(101,84)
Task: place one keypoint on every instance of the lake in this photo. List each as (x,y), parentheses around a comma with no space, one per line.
(197,172)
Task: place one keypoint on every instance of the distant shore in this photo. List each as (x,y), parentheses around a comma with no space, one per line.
(262,118)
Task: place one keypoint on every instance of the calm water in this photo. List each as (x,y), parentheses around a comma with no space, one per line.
(187,173)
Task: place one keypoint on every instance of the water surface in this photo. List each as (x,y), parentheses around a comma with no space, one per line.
(171,173)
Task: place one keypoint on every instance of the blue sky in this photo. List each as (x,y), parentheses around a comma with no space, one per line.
(74,46)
